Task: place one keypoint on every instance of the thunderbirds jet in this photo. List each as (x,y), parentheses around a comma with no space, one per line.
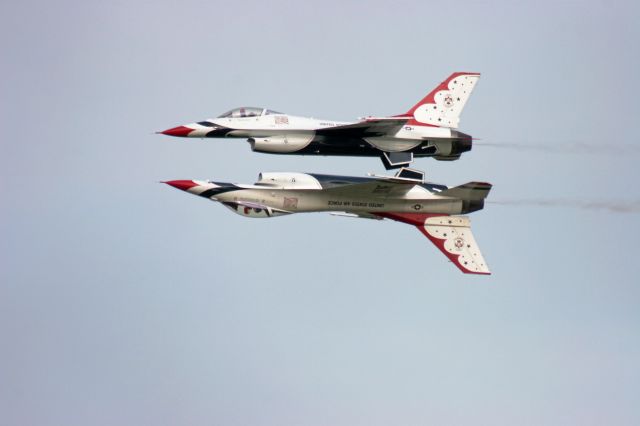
(432,208)
(428,129)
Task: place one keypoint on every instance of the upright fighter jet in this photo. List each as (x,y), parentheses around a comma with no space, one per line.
(428,129)
(406,198)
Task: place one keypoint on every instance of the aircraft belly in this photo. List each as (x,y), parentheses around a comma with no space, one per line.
(393,144)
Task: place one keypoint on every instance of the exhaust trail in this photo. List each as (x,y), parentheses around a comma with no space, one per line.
(566,147)
(612,206)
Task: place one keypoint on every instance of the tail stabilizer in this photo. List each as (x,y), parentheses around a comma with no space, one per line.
(471,191)
(443,106)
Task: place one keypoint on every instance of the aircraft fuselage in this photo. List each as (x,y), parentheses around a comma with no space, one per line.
(432,208)
(428,129)
(284,193)
(286,134)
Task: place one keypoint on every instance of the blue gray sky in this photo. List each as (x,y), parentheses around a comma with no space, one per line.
(123,301)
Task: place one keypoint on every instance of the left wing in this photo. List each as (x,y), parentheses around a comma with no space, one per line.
(367,128)
(379,188)
(383,186)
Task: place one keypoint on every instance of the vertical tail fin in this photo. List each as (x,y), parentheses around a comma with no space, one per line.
(451,234)
(443,106)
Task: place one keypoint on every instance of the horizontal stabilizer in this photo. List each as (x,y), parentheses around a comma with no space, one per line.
(469,191)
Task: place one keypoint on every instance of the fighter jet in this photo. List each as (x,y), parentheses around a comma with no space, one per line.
(428,129)
(405,197)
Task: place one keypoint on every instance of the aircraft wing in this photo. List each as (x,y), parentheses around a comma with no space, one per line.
(380,188)
(361,215)
(367,128)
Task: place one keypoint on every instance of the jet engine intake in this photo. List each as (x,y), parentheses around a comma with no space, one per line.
(281,144)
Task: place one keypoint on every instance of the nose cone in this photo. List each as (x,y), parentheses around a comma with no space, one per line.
(180,131)
(184,185)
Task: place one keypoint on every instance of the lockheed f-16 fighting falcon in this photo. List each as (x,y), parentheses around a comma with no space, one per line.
(428,129)
(405,197)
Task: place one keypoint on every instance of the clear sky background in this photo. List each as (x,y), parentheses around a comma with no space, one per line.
(124,301)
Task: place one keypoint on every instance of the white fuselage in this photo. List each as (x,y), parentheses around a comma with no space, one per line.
(277,124)
(310,200)
(428,129)
(302,192)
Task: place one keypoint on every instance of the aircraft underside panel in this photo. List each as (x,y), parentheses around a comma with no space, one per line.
(393,144)
(282,144)
(357,148)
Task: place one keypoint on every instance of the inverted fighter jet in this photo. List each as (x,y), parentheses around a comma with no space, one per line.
(405,197)
(428,129)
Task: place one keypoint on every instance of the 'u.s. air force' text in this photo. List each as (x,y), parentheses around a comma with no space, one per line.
(353,204)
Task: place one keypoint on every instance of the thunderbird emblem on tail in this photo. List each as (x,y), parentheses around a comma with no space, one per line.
(434,209)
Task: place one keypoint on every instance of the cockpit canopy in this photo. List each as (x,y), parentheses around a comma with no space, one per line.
(248,112)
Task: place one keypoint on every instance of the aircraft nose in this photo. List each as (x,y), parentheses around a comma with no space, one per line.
(181,131)
(184,185)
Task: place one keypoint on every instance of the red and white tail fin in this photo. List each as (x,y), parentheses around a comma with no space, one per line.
(443,106)
(451,234)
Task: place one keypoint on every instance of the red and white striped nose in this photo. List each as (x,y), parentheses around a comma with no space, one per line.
(184,185)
